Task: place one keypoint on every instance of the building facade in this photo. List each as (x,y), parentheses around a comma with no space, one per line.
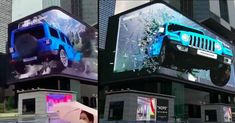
(5,19)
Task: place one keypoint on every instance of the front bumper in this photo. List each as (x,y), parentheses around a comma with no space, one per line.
(202,53)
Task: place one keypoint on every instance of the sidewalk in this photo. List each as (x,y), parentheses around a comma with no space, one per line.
(8,115)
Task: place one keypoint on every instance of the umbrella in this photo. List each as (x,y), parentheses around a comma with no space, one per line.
(70,111)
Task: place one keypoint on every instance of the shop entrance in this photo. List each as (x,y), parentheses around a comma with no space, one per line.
(194,99)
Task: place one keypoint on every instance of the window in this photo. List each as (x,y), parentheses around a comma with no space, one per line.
(224,10)
(37,32)
(85,100)
(175,27)
(28,106)
(93,102)
(233,113)
(68,41)
(194,111)
(62,37)
(210,116)
(54,33)
(116,110)
(186,7)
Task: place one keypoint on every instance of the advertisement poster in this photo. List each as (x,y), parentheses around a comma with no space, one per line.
(52,99)
(156,39)
(52,42)
(227,114)
(162,110)
(146,110)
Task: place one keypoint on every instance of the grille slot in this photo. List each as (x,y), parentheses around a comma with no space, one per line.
(202,43)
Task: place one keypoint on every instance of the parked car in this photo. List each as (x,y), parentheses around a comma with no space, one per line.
(187,48)
(39,43)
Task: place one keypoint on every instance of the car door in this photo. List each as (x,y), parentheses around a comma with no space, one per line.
(69,48)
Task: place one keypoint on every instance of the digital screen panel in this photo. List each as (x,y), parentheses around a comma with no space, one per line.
(52,42)
(156,39)
(53,99)
(146,110)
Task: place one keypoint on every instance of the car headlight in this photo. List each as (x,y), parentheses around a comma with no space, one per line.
(161,29)
(218,46)
(185,37)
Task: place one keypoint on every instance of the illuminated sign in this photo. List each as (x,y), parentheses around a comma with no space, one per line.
(162,110)
(52,99)
(146,109)
(227,114)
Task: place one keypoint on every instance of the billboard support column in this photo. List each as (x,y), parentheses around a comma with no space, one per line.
(178,92)
(58,82)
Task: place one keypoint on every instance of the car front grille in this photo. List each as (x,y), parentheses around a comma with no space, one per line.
(202,43)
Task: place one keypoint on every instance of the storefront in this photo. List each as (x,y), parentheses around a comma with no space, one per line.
(41,101)
(131,106)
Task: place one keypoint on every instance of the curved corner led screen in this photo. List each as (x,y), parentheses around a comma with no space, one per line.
(159,40)
(52,42)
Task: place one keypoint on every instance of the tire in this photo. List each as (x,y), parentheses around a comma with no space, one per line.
(26,45)
(81,67)
(63,58)
(164,58)
(220,75)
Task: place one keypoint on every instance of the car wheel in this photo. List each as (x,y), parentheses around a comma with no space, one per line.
(220,75)
(162,56)
(165,58)
(20,67)
(63,57)
(26,45)
(81,67)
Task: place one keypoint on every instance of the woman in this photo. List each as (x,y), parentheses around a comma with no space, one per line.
(87,117)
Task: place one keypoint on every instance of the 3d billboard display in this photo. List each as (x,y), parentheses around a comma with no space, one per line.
(157,40)
(52,42)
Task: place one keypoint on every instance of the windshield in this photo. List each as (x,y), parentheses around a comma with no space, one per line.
(175,27)
(37,32)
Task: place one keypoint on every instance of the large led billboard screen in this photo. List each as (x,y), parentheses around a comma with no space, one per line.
(52,42)
(155,39)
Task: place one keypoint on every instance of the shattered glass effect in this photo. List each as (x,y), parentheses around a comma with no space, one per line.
(138,29)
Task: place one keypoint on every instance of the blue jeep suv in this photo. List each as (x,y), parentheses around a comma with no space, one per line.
(188,48)
(41,42)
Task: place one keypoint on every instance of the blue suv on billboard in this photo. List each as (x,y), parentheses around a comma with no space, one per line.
(187,48)
(41,42)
